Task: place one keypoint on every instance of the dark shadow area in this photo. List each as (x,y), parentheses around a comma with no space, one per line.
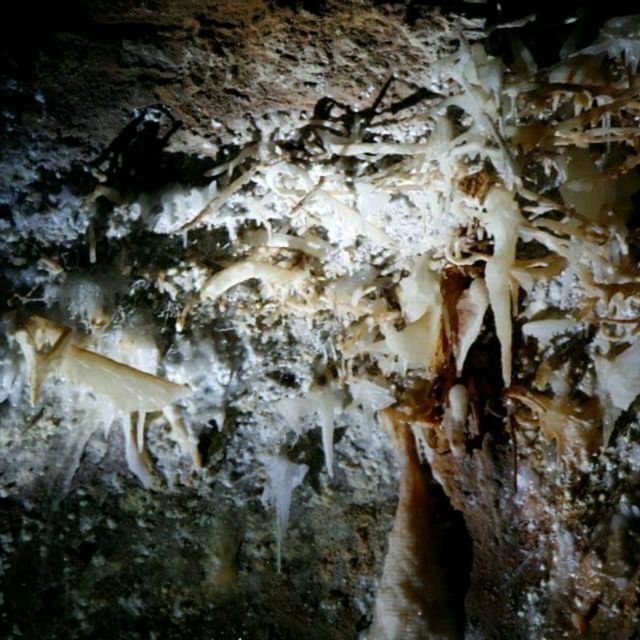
(455,549)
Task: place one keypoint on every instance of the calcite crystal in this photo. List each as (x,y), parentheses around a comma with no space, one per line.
(358,261)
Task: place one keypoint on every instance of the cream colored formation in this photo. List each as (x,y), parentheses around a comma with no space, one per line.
(521,181)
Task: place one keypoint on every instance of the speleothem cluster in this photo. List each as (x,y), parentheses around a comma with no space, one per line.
(455,266)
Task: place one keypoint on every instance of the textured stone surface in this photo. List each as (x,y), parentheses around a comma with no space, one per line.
(91,553)
(98,556)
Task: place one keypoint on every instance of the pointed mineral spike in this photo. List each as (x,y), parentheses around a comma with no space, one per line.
(137,461)
(283,477)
